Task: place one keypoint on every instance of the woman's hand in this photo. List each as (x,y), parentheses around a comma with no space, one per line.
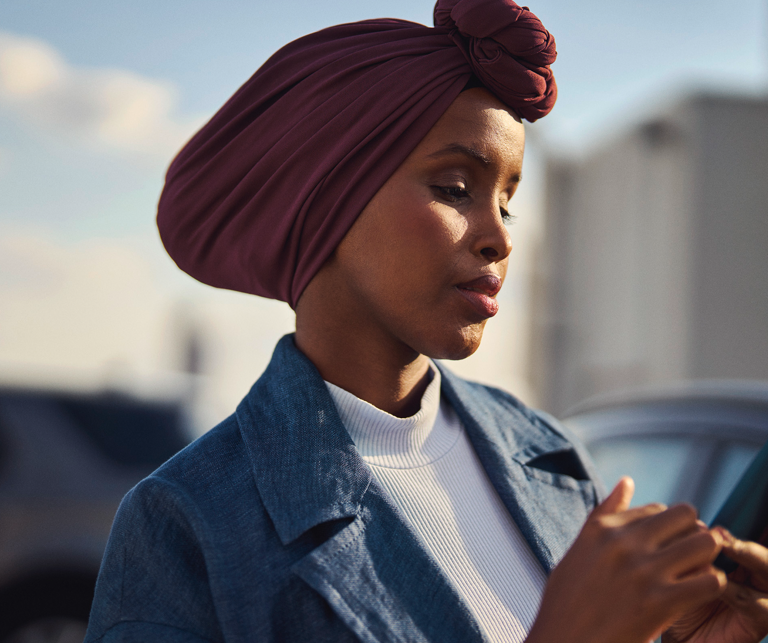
(630,574)
(741,613)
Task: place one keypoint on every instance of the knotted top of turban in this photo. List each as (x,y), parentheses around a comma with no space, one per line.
(261,196)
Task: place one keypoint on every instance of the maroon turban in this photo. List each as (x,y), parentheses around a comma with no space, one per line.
(261,196)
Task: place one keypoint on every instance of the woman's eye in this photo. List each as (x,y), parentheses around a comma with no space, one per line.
(453,193)
(506,217)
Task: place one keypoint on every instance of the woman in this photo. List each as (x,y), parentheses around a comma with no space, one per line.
(360,491)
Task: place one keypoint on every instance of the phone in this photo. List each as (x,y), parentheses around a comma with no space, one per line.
(745,512)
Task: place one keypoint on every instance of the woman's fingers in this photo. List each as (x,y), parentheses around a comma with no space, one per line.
(618,500)
(669,525)
(647,566)
(752,556)
(696,589)
(623,518)
(750,602)
(641,567)
(693,552)
(614,511)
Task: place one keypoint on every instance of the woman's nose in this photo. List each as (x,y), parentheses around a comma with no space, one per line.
(492,240)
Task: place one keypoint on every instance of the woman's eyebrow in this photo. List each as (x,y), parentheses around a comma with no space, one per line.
(473,153)
(458,148)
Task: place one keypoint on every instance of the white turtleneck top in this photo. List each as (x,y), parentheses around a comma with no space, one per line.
(428,466)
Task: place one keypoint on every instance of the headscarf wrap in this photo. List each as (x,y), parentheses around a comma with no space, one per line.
(261,196)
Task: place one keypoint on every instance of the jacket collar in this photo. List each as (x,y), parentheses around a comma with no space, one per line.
(518,432)
(374,572)
(308,470)
(548,508)
(306,467)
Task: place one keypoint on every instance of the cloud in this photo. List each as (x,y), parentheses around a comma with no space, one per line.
(113,108)
(76,314)
(74,305)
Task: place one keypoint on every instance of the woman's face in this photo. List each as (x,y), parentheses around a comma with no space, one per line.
(423,263)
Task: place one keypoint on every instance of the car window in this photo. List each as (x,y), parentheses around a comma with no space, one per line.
(655,463)
(732,464)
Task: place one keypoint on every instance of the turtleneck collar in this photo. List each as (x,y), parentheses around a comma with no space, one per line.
(399,443)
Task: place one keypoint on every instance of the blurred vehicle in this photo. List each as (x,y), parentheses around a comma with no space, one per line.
(66,460)
(689,442)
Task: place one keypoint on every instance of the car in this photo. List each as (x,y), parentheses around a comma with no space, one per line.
(66,460)
(686,442)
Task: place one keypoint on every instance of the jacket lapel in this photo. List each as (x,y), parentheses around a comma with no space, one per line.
(548,507)
(380,580)
(374,572)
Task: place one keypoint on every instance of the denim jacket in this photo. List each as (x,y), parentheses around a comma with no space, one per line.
(270,527)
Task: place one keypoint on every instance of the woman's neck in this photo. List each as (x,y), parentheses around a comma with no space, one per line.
(388,384)
(354,356)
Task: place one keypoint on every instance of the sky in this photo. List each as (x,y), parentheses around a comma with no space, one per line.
(96,97)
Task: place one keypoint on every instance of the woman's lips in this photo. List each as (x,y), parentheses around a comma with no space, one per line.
(480,294)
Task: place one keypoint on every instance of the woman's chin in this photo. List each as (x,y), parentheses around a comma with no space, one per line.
(458,345)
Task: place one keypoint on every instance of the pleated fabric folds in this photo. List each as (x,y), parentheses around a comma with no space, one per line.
(260,197)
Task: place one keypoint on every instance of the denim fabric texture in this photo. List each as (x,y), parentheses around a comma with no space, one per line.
(270,527)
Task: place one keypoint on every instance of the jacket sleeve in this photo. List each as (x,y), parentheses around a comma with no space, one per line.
(153,584)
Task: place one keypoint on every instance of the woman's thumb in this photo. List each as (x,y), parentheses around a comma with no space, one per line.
(619,498)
